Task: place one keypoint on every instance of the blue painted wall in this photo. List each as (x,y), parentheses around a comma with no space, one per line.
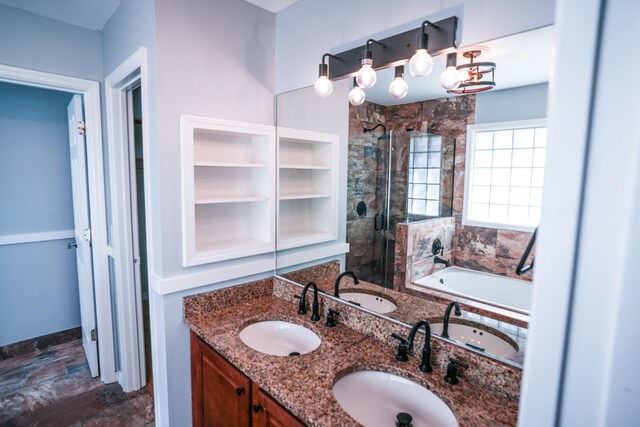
(38,43)
(38,281)
(520,103)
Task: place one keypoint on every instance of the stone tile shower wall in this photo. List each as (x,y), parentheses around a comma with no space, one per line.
(477,248)
(414,257)
(490,250)
(367,179)
(365,182)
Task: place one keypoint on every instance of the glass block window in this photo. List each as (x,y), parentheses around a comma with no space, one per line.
(423,196)
(504,171)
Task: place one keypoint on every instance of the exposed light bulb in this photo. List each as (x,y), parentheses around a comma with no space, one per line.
(450,78)
(421,63)
(323,87)
(366,76)
(356,96)
(398,88)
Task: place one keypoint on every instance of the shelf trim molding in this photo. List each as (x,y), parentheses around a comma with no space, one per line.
(43,236)
(220,200)
(296,257)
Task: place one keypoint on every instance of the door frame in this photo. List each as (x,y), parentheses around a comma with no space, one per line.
(130,74)
(90,91)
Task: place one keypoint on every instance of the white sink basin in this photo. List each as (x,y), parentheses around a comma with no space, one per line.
(375,399)
(369,301)
(478,338)
(279,338)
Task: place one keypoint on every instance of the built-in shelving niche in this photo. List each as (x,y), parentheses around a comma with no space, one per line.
(307,187)
(228,189)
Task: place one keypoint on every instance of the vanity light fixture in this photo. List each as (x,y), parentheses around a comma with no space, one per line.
(356,95)
(475,76)
(439,37)
(366,76)
(323,86)
(450,77)
(399,87)
(421,62)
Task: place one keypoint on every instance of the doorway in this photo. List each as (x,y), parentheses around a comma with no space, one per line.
(85,144)
(131,247)
(138,226)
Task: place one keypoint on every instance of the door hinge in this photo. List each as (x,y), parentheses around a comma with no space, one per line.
(81,128)
(94,335)
(87,235)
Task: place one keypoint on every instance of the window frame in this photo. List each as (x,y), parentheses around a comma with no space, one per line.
(468,168)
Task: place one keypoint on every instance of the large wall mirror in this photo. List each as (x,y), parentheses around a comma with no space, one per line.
(436,195)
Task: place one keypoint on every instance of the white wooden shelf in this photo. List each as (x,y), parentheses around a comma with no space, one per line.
(303,196)
(304,167)
(230,165)
(228,189)
(230,200)
(307,187)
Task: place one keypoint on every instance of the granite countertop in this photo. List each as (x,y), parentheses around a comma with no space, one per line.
(303,384)
(413,305)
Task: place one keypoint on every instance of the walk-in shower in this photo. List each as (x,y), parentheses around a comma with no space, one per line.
(394,176)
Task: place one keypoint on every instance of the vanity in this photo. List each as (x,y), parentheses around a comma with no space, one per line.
(233,381)
(371,202)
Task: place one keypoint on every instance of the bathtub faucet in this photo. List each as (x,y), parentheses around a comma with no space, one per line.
(438,260)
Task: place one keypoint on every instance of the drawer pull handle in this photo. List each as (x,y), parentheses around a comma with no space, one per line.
(257,408)
(239,391)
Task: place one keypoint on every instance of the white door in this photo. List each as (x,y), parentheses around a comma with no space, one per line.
(82,232)
(135,235)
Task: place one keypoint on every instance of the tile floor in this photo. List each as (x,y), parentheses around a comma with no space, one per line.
(53,387)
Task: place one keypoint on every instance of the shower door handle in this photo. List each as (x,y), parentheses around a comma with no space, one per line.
(378,222)
(521,268)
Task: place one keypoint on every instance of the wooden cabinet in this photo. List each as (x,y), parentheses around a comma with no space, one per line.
(268,413)
(228,189)
(222,396)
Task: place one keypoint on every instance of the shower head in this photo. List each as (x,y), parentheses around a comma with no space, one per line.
(384,135)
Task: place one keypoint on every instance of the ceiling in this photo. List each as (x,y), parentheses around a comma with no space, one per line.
(94,14)
(90,14)
(274,6)
(522,59)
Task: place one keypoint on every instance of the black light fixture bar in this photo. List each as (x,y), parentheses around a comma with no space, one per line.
(323,69)
(396,50)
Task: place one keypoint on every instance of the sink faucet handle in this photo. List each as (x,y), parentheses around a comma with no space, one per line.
(452,371)
(331,318)
(402,348)
(458,362)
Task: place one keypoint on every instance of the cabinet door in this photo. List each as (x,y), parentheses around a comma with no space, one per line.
(221,395)
(268,413)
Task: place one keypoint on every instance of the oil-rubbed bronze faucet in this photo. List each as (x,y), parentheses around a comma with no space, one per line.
(336,292)
(438,260)
(407,344)
(315,316)
(447,314)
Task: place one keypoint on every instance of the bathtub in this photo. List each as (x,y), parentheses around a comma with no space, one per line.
(499,291)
